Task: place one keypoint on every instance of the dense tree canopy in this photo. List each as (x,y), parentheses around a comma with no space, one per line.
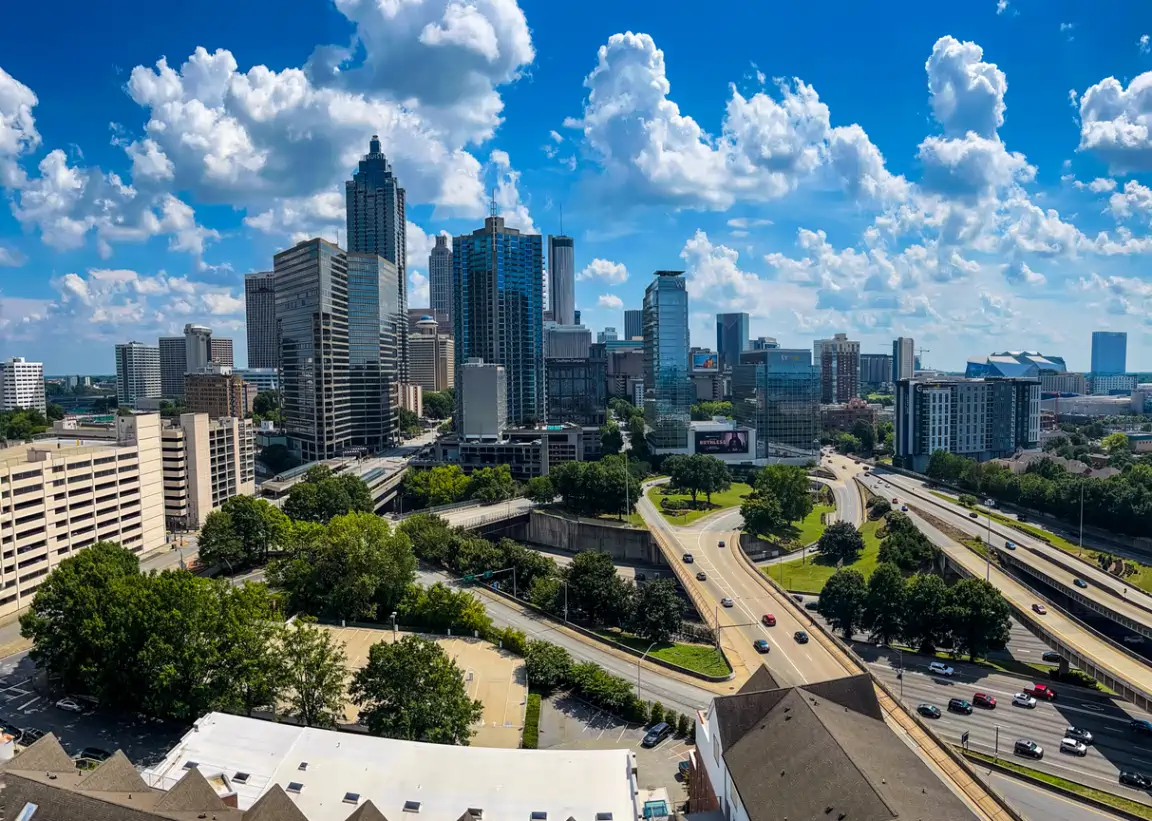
(594,488)
(657,611)
(432,487)
(698,473)
(790,485)
(611,438)
(842,601)
(439,404)
(492,484)
(761,513)
(841,541)
(539,489)
(703,411)
(242,532)
(321,495)
(22,424)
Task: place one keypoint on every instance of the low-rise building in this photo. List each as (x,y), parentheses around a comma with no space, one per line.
(1112,384)
(218,392)
(528,452)
(845,416)
(206,462)
(1075,383)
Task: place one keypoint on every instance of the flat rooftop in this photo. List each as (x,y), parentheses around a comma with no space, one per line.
(510,785)
(19,454)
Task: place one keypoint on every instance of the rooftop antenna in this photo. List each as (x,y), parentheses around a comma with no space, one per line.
(492,204)
(561,219)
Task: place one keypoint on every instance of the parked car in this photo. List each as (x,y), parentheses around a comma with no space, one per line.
(70,704)
(939,668)
(1039,610)
(959,705)
(656,734)
(1080,583)
(1023,700)
(30,735)
(1010,545)
(1141,725)
(800,636)
(984,700)
(1079,734)
(722,543)
(761,645)
(701,576)
(811,605)
(928,711)
(1140,782)
(1050,655)
(1041,691)
(688,559)
(727,602)
(1028,749)
(768,620)
(93,754)
(1073,747)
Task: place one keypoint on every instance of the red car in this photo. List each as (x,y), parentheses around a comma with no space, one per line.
(768,619)
(1041,692)
(895,500)
(984,700)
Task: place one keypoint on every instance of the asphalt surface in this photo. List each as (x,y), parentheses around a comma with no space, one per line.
(1039,804)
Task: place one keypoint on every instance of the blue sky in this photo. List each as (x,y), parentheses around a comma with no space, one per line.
(975,175)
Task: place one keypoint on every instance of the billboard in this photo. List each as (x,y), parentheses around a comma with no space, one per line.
(722,441)
(705,362)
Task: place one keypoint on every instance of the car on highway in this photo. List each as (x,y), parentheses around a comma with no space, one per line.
(928,710)
(1079,734)
(1009,545)
(939,668)
(1041,691)
(727,602)
(656,734)
(1023,700)
(959,705)
(973,515)
(1080,583)
(1050,655)
(895,501)
(812,605)
(688,558)
(1039,610)
(800,636)
(1028,749)
(761,645)
(796,597)
(904,508)
(1140,782)
(1141,725)
(984,700)
(69,704)
(1131,638)
(768,620)
(701,576)
(1073,747)
(722,543)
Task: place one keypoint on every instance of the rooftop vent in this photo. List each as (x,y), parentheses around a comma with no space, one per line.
(476,812)
(241,778)
(351,798)
(411,806)
(303,766)
(603,816)
(190,764)
(540,815)
(295,787)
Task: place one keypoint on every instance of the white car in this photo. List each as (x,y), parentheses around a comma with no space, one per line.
(1023,700)
(939,668)
(727,602)
(1071,745)
(71,705)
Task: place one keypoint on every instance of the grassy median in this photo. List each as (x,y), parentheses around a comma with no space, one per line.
(811,574)
(700,658)
(732,497)
(531,737)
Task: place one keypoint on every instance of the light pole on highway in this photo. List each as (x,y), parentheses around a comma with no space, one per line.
(996,754)
(900,650)
(1081,515)
(638,661)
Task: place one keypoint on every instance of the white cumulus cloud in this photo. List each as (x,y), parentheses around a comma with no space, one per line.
(610,301)
(612,273)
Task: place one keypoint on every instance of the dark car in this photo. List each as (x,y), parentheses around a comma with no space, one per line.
(800,636)
(1028,749)
(93,754)
(1080,734)
(701,576)
(984,700)
(928,711)
(640,577)
(688,559)
(656,734)
(30,735)
(973,515)
(1140,782)
(722,543)
(1141,725)
(1050,655)
(1080,583)
(959,705)
(812,605)
(761,645)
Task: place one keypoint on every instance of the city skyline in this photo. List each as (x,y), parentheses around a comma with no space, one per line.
(839,231)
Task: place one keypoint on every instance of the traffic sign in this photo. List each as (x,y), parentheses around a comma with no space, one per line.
(964,738)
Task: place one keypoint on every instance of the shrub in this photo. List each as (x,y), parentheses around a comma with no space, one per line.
(657,714)
(684,725)
(968,500)
(1073,676)
(531,737)
(511,639)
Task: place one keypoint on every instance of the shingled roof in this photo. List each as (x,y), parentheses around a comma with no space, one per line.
(114,775)
(274,805)
(45,755)
(192,793)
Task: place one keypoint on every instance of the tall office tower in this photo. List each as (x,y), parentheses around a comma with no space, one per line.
(260,319)
(875,369)
(375,325)
(433,363)
(1109,352)
(197,348)
(668,392)
(22,385)
(173,366)
(839,368)
(482,400)
(312,317)
(562,279)
(731,339)
(633,324)
(137,372)
(566,341)
(904,359)
(577,319)
(606,335)
(498,310)
(375,210)
(220,349)
(440,278)
(777,392)
(763,343)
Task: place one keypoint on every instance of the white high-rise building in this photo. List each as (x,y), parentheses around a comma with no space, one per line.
(137,372)
(197,348)
(22,385)
(440,279)
(903,358)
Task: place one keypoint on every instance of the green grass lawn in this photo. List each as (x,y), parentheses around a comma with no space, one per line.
(703,658)
(809,575)
(804,532)
(729,498)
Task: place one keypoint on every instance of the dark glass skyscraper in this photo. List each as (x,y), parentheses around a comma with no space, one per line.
(633,324)
(668,391)
(374,328)
(260,319)
(1109,352)
(440,278)
(498,311)
(562,279)
(731,339)
(777,392)
(375,212)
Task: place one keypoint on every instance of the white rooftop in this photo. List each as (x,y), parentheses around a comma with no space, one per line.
(509,785)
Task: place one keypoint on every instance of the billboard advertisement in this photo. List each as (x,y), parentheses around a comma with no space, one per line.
(705,362)
(722,441)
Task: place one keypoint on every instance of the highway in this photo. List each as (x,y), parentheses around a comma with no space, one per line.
(1038,804)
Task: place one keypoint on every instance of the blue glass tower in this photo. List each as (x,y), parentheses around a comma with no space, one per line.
(777,392)
(731,339)
(668,392)
(498,310)
(1109,352)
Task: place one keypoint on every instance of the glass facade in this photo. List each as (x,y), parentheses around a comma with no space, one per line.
(777,392)
(562,279)
(668,391)
(731,339)
(374,325)
(260,319)
(498,310)
(577,391)
(1109,352)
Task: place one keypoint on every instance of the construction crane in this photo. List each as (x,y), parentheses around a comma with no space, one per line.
(920,356)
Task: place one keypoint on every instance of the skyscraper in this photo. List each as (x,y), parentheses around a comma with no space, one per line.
(562,279)
(498,311)
(1109,352)
(197,348)
(220,350)
(875,369)
(375,218)
(903,358)
(173,366)
(731,339)
(668,392)
(312,317)
(440,278)
(260,319)
(22,385)
(633,324)
(375,324)
(777,392)
(839,368)
(137,372)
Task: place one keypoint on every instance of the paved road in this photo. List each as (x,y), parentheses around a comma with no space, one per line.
(1115,747)
(1038,804)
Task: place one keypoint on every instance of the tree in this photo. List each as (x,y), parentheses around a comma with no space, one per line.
(439,607)
(265,403)
(430,535)
(548,593)
(492,484)
(638,436)
(657,713)
(595,589)
(611,438)
(409,421)
(789,484)
(841,541)
(879,508)
(978,618)
(658,611)
(55,411)
(433,487)
(926,624)
(865,433)
(884,603)
(761,513)
(1115,443)
(322,495)
(414,691)
(907,549)
(546,665)
(683,725)
(847,443)
(260,526)
(438,404)
(539,489)
(842,601)
(711,474)
(315,674)
(219,544)
(703,411)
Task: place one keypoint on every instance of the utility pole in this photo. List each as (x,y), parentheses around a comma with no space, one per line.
(1081,515)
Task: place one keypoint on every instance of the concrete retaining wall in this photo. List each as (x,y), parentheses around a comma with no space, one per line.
(574,535)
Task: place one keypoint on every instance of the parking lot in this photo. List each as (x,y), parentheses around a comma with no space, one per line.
(568,723)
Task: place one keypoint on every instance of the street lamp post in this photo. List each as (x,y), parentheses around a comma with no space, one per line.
(996,755)
(1081,515)
(900,650)
(638,661)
